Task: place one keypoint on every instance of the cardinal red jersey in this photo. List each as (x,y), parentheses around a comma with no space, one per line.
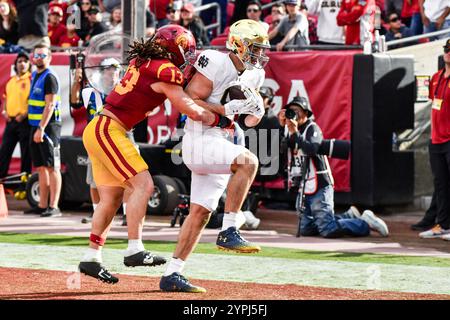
(133,99)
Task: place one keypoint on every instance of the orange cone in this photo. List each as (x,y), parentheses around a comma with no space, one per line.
(3,204)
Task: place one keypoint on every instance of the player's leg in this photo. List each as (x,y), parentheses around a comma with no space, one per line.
(91,263)
(136,255)
(205,193)
(244,167)
(210,154)
(191,230)
(110,186)
(190,233)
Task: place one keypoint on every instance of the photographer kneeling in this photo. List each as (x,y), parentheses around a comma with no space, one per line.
(317,205)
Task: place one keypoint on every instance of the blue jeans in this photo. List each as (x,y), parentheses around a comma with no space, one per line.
(319,218)
(432,27)
(416,24)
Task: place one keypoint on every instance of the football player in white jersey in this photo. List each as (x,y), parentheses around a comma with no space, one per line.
(215,161)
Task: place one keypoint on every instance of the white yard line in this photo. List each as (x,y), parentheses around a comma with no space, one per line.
(352,275)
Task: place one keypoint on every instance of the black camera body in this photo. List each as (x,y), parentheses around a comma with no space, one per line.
(290,114)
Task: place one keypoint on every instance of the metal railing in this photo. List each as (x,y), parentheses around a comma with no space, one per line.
(269,5)
(418,37)
(217,24)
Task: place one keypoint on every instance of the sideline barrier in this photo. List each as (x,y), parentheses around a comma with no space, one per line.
(343,88)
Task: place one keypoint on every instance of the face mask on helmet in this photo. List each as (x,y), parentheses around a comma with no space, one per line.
(189,57)
(255,56)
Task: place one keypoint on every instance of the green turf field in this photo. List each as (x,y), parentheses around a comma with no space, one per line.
(210,248)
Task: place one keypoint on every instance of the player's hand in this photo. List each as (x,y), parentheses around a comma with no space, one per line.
(253,95)
(38,136)
(239,106)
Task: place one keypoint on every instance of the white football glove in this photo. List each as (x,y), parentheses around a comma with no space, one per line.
(258,102)
(240,106)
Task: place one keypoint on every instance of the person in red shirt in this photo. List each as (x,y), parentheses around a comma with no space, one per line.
(70,39)
(357,16)
(158,7)
(63,5)
(153,75)
(439,147)
(55,28)
(411,16)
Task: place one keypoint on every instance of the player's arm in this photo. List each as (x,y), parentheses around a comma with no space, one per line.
(199,89)
(183,103)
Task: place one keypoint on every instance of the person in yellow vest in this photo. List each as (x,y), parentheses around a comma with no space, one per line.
(44,116)
(15,111)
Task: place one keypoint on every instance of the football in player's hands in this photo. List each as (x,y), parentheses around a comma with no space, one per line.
(236,93)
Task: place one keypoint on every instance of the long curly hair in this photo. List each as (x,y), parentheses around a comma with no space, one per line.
(145,50)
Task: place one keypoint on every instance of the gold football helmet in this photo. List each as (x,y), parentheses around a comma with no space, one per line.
(248,39)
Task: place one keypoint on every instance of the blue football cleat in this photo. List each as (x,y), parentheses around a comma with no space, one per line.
(178,283)
(231,240)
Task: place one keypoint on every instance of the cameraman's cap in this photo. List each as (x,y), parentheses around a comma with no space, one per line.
(447,44)
(301,102)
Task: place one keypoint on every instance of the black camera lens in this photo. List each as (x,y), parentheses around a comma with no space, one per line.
(290,114)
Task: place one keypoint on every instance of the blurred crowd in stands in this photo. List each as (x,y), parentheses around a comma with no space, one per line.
(290,23)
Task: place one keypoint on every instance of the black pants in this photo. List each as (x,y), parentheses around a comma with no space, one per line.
(15,132)
(440,166)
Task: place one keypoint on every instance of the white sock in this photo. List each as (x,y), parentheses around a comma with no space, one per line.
(93,255)
(124,206)
(229,220)
(175,265)
(134,246)
(240,219)
(94,206)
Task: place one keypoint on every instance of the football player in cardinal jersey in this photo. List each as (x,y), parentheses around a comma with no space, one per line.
(153,75)
(215,161)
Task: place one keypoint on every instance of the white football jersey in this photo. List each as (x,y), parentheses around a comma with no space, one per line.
(218,67)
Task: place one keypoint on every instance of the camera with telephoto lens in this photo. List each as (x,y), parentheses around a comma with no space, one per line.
(290,114)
